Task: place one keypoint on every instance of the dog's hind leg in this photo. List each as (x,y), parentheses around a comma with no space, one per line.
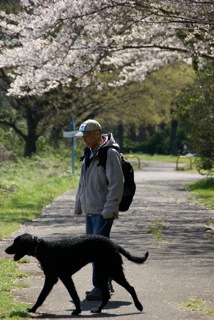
(119,277)
(68,283)
(48,285)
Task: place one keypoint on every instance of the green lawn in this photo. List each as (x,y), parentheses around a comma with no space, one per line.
(29,185)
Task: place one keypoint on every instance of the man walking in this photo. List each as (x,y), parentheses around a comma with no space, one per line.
(100,188)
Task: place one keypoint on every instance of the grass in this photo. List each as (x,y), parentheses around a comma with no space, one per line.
(155,230)
(198,305)
(204,190)
(155,157)
(10,309)
(29,185)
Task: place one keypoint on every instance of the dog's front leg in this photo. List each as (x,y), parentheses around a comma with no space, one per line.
(68,282)
(50,281)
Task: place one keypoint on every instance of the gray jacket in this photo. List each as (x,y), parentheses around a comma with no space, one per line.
(100,190)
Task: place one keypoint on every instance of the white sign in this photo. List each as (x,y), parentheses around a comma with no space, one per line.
(69,134)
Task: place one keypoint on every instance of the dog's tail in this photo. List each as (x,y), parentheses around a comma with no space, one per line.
(129,256)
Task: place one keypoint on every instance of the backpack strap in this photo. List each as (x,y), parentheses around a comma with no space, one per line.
(102,156)
(86,156)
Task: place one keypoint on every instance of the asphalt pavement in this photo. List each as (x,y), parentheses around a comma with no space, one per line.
(180,267)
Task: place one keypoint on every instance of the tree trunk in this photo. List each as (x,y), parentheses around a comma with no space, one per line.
(30,146)
(55,136)
(174,125)
(142,136)
(132,133)
(31,137)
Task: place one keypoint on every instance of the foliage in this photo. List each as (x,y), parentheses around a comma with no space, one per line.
(9,309)
(29,184)
(10,6)
(10,140)
(138,111)
(143,103)
(196,108)
(49,43)
(159,142)
(204,190)
(140,107)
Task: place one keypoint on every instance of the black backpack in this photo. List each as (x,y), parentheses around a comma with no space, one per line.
(129,187)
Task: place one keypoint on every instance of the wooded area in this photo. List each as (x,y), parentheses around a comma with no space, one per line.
(142,68)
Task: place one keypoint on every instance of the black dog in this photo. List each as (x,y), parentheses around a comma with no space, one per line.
(61,259)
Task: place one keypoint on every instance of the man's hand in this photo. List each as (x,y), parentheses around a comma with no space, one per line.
(78,213)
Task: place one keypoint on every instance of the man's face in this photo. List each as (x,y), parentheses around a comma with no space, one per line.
(93,139)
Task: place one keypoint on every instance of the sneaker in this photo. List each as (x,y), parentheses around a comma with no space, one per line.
(87,292)
(92,291)
(94,294)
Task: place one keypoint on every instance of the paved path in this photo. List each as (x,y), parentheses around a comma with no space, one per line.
(180,266)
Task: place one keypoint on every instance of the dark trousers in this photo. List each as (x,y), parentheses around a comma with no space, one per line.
(95,224)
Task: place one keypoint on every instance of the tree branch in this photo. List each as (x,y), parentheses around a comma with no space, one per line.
(12,125)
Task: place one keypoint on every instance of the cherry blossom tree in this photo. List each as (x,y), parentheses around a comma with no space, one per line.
(56,42)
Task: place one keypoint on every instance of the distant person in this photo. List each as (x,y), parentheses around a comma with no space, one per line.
(184,148)
(100,189)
